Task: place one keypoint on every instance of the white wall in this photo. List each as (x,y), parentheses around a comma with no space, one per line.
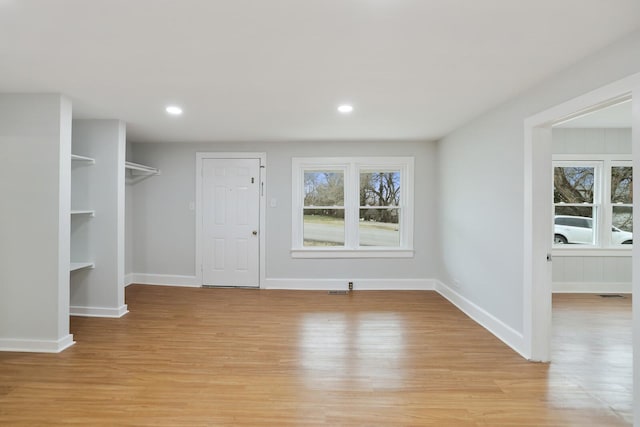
(596,274)
(35,161)
(100,239)
(481,182)
(164,227)
(592,274)
(591,141)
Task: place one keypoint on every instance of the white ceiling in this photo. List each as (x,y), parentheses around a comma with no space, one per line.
(276,70)
(616,116)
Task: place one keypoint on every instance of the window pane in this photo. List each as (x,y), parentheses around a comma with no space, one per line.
(323,227)
(379,227)
(621,184)
(573,184)
(379,188)
(323,188)
(574,225)
(621,232)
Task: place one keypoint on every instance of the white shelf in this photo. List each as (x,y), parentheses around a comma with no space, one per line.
(82,158)
(141,168)
(74,266)
(83,212)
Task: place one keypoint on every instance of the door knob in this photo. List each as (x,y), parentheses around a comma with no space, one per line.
(254,232)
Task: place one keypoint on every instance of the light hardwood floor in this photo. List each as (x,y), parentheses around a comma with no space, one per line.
(215,357)
(592,348)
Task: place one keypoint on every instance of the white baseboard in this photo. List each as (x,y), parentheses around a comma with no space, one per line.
(164,280)
(36,346)
(293,284)
(128,279)
(343,284)
(98,311)
(591,288)
(502,331)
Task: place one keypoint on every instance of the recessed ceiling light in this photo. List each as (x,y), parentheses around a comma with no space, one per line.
(345,108)
(174,110)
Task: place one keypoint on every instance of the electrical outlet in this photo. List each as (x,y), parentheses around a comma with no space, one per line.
(350,286)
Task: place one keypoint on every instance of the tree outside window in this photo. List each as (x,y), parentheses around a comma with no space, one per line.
(352,204)
(587,208)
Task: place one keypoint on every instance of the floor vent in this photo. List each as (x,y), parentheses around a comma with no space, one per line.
(612,296)
(338,292)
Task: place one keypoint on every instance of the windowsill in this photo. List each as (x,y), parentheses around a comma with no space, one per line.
(351,253)
(592,251)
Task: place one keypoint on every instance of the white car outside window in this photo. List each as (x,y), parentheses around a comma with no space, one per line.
(579,230)
(620,237)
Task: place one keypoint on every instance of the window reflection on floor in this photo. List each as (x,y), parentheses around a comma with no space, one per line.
(334,346)
(591,350)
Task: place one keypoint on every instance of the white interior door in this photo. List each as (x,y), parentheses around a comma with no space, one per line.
(231,216)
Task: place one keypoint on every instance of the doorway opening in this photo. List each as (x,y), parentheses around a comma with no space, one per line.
(538,215)
(592,208)
(539,223)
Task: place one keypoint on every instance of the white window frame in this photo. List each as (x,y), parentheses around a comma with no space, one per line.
(352,167)
(596,204)
(601,203)
(608,214)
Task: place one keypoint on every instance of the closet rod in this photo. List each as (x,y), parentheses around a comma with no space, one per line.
(82,158)
(142,168)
